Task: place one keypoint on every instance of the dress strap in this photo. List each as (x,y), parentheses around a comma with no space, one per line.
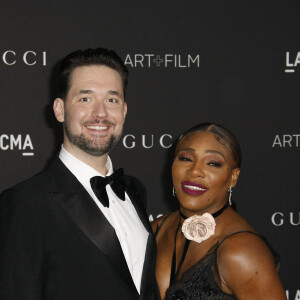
(226,237)
(160,224)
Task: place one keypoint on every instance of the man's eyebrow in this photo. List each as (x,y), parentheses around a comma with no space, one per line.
(112,92)
(85,92)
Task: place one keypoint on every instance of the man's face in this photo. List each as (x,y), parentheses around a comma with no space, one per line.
(93,112)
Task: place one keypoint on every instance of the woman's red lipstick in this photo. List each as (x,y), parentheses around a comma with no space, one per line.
(193,188)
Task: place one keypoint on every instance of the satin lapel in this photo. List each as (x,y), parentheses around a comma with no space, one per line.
(137,201)
(81,208)
(148,282)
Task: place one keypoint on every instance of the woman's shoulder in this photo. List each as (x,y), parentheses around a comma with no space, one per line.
(158,223)
(244,246)
(244,257)
(241,240)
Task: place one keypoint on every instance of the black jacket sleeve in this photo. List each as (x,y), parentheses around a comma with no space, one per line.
(22,253)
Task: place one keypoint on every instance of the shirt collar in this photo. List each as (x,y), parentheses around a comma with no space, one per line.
(81,170)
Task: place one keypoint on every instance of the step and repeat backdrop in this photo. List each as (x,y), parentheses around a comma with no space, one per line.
(236,63)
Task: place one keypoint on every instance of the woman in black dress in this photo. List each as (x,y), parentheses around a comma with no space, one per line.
(206,250)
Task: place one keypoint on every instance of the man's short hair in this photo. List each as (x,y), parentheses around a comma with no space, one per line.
(89,57)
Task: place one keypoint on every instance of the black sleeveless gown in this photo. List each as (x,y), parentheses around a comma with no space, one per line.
(202,280)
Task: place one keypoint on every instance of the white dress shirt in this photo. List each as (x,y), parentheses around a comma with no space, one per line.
(120,214)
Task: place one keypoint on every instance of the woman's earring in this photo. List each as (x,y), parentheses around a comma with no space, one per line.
(174,193)
(230,195)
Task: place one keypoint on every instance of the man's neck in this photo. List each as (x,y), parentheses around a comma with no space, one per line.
(96,162)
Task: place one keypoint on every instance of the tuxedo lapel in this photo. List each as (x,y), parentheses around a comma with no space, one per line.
(136,199)
(72,197)
(148,282)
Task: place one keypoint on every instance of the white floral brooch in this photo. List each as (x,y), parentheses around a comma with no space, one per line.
(199,228)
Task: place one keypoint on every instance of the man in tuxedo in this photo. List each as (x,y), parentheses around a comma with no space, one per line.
(79,230)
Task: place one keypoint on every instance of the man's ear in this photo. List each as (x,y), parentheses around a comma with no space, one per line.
(59,109)
(125,110)
(234,176)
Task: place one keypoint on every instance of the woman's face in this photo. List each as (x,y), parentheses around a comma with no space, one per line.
(202,173)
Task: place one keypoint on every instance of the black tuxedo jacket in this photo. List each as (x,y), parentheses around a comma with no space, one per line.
(56,244)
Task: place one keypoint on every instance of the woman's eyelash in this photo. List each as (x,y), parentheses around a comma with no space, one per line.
(184,158)
(215,163)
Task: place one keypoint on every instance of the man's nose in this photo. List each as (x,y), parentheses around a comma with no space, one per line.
(99,110)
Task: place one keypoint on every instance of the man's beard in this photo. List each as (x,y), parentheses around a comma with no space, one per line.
(90,146)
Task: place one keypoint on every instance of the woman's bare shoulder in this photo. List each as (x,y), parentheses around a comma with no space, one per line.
(244,250)
(159,221)
(247,267)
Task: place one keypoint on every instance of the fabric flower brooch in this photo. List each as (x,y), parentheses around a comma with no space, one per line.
(199,228)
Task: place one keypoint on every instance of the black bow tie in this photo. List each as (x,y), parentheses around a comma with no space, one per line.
(115,180)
